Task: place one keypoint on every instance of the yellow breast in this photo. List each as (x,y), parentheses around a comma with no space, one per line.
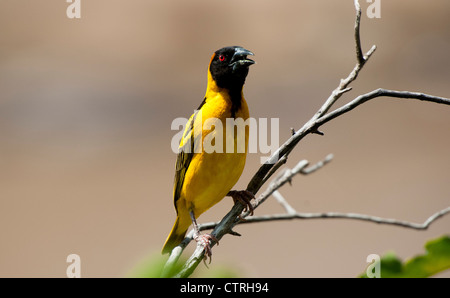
(216,169)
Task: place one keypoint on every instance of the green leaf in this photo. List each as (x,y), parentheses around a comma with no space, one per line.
(152,266)
(435,260)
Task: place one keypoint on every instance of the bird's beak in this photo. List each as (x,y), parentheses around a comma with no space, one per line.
(240,59)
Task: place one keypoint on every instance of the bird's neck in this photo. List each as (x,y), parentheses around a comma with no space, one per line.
(233,94)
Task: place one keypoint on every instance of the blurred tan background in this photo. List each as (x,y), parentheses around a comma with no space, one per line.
(86,107)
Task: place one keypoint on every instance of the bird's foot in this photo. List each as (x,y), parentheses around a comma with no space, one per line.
(244,197)
(205,241)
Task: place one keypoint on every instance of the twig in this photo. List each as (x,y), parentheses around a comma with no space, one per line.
(363,217)
(337,215)
(379,93)
(309,127)
(287,175)
(279,163)
(280,199)
(359,54)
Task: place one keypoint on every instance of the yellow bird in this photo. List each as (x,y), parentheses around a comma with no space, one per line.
(212,152)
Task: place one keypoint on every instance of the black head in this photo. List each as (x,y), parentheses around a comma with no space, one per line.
(229,67)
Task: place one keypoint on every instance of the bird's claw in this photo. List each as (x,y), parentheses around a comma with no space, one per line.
(205,241)
(244,197)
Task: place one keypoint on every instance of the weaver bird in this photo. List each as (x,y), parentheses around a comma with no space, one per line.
(203,178)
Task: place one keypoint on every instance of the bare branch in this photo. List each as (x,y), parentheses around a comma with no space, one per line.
(287,175)
(338,215)
(291,215)
(170,263)
(379,93)
(272,171)
(285,149)
(280,199)
(356,216)
(359,54)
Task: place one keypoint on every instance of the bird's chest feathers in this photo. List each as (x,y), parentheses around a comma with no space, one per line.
(221,132)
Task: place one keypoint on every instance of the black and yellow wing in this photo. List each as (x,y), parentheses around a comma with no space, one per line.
(189,144)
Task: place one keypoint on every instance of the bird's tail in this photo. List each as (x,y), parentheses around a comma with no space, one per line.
(176,236)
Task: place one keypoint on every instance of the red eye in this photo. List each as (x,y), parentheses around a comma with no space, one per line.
(221,58)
